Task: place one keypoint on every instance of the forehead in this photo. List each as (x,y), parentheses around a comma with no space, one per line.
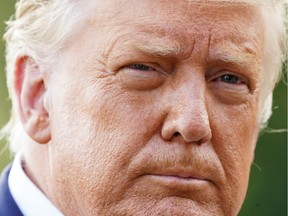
(206,30)
(179,12)
(182,19)
(176,27)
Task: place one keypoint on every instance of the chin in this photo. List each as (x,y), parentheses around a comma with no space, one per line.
(172,206)
(168,206)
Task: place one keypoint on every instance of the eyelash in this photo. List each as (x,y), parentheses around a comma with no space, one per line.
(140,67)
(228,77)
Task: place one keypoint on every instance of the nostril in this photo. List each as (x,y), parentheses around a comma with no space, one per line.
(176,134)
(205,139)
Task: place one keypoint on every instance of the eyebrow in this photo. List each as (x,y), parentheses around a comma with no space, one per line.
(156,49)
(241,55)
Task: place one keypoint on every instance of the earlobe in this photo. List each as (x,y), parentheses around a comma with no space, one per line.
(30,90)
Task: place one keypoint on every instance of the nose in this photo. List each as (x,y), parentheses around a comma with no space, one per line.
(188,116)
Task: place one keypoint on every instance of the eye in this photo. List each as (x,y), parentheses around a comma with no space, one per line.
(231,79)
(139,76)
(140,67)
(229,87)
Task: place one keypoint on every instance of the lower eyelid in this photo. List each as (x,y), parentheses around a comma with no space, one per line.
(229,94)
(241,88)
(140,80)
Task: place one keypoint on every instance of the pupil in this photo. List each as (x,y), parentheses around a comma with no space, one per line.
(230,79)
(141,67)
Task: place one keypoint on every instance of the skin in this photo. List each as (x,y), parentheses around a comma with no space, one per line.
(150,110)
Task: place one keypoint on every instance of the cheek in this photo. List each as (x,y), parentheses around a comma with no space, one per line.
(111,127)
(235,132)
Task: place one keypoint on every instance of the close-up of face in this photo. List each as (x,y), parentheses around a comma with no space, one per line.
(153,109)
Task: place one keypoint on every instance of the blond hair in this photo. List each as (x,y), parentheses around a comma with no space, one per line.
(42,27)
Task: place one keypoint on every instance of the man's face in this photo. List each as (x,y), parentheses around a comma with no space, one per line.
(154,109)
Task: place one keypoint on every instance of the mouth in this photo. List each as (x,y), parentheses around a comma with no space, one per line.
(179,181)
(180,176)
(176,173)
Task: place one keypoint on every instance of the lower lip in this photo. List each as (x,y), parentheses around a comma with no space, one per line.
(177,182)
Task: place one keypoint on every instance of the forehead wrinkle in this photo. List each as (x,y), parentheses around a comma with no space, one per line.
(164,39)
(156,39)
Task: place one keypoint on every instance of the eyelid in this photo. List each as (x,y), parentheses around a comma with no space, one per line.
(154,66)
(141,80)
(219,73)
(228,93)
(130,66)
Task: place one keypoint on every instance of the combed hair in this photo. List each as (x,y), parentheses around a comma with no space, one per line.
(41,28)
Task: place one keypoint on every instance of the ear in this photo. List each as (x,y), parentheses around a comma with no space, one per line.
(30,92)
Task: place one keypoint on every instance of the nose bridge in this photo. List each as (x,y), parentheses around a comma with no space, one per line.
(188,114)
(191,103)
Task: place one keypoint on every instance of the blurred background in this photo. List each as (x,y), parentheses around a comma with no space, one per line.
(267,192)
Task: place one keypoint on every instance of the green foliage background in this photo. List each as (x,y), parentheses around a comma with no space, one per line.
(267,193)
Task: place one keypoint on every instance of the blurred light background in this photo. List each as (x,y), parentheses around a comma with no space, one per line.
(267,193)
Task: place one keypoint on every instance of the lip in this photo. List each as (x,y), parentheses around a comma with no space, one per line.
(181,172)
(177,169)
(179,180)
(180,175)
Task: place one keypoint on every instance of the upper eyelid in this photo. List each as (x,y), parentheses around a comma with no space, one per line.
(155,67)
